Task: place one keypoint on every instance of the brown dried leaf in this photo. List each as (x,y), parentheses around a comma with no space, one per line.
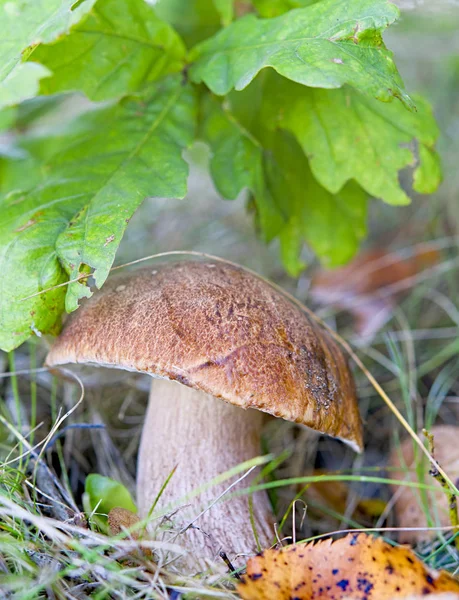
(408,506)
(368,286)
(357,566)
(122,519)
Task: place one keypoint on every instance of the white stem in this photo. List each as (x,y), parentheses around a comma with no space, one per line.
(203,437)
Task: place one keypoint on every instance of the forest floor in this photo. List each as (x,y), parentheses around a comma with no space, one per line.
(93,424)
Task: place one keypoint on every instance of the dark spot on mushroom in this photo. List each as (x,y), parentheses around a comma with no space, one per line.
(180,378)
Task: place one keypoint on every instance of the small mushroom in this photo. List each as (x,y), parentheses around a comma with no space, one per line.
(217,340)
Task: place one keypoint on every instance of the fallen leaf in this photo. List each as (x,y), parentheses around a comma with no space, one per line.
(122,519)
(441,596)
(357,567)
(102,494)
(409,509)
(368,287)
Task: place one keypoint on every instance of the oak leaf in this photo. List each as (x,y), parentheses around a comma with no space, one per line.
(357,566)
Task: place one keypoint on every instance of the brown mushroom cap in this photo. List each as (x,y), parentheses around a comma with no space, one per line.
(217,328)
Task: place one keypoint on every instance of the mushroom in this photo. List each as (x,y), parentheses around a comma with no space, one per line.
(217,340)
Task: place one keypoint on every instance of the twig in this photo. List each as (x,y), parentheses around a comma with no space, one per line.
(229,564)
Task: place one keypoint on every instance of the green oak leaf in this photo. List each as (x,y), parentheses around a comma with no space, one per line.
(225,9)
(195,20)
(24,25)
(7,120)
(290,203)
(427,176)
(274,8)
(347,135)
(104,494)
(21,83)
(237,163)
(333,225)
(115,49)
(328,44)
(66,204)
(291,244)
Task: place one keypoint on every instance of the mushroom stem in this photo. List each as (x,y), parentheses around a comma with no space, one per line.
(203,437)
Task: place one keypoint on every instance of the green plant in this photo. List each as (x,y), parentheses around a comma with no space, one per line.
(101,495)
(101,97)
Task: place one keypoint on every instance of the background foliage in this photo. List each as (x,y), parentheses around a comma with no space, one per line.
(135,84)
